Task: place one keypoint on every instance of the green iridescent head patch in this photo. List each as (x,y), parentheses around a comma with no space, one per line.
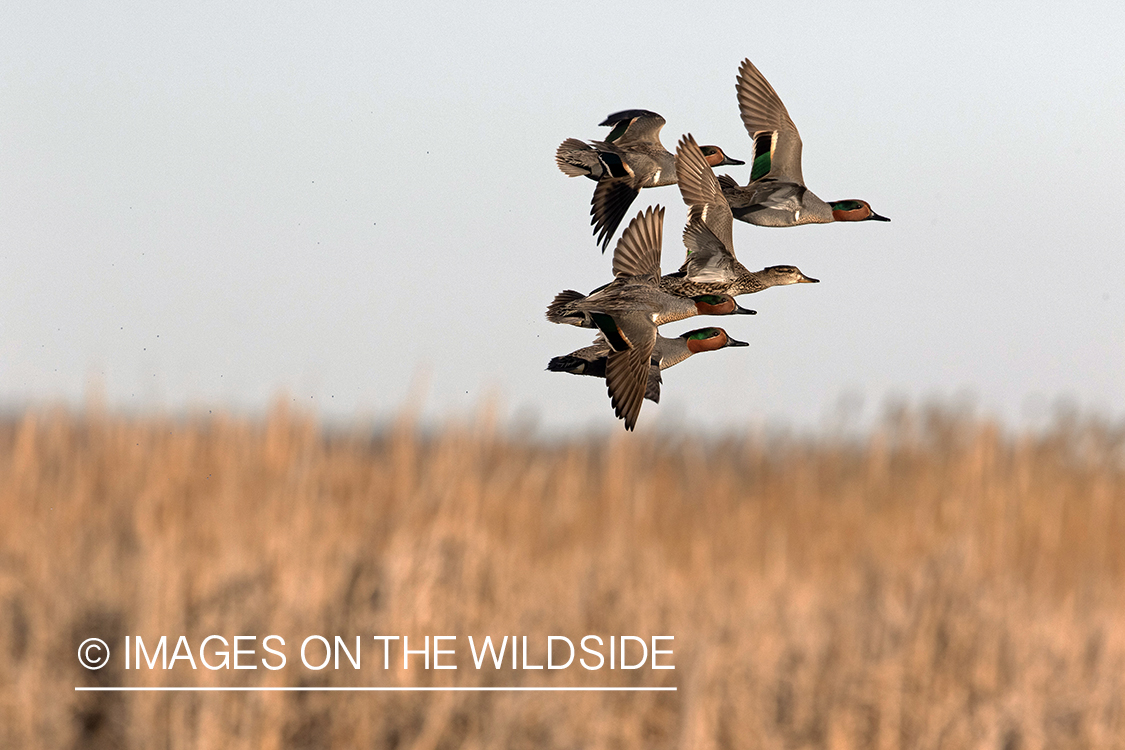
(710,299)
(703,333)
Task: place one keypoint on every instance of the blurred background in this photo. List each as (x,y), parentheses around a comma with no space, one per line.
(939,583)
(272,284)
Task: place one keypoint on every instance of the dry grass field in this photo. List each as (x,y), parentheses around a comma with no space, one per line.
(939,583)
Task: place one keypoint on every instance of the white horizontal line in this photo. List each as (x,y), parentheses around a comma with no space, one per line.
(366,689)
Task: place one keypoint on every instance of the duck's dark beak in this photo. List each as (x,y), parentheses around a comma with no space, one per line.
(729,162)
(735,342)
(876,217)
(740,310)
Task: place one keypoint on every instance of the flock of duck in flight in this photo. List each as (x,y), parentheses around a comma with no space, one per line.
(629,351)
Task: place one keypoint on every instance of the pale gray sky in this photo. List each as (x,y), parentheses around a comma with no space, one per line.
(206,204)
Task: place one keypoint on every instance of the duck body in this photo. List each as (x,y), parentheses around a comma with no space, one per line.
(632,149)
(710,265)
(568,307)
(666,352)
(771,203)
(743,281)
(776,195)
(629,159)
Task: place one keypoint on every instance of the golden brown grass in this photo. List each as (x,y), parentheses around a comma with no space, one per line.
(939,584)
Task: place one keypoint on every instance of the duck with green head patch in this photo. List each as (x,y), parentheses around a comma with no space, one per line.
(629,159)
(710,266)
(591,360)
(776,195)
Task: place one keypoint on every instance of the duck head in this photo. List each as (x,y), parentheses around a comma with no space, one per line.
(720,304)
(716,158)
(709,339)
(781,275)
(854,210)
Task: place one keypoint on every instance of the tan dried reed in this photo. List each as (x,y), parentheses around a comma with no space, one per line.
(939,584)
